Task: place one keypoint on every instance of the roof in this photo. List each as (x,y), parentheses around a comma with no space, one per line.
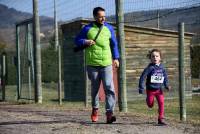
(134,28)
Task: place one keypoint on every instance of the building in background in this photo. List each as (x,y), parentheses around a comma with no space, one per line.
(139,40)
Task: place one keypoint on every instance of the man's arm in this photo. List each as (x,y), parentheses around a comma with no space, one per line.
(113,43)
(81,38)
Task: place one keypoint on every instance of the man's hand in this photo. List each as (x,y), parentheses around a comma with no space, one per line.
(116,63)
(89,42)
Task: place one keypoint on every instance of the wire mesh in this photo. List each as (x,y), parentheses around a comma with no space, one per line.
(159,14)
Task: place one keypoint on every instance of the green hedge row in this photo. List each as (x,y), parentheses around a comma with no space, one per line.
(195,65)
(49,67)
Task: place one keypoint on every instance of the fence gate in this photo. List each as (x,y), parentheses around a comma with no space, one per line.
(24,60)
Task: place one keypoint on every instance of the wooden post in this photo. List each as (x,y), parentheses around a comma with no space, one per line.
(122,69)
(37,53)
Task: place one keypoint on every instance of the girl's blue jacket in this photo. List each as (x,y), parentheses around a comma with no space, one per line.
(155,76)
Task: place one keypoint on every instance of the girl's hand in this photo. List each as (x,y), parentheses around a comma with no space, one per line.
(141,91)
(169,88)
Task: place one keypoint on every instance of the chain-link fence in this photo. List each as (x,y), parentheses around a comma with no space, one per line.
(148,25)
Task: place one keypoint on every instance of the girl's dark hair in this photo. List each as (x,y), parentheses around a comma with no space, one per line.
(154,50)
(96,10)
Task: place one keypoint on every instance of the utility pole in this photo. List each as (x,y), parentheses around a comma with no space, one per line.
(58,47)
(18,64)
(122,69)
(55,27)
(37,53)
(158,19)
(181,73)
(3,76)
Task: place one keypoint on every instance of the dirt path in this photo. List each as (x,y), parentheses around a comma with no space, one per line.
(26,119)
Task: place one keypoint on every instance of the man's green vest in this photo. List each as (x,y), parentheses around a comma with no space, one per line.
(99,54)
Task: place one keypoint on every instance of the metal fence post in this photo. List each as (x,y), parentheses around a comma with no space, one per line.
(18,63)
(58,48)
(181,73)
(3,76)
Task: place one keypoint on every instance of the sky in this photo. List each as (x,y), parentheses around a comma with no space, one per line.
(71,9)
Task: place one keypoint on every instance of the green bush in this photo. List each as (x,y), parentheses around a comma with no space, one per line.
(195,57)
(10,69)
(49,65)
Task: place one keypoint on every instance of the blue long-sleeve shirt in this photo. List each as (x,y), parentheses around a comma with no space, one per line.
(80,39)
(155,76)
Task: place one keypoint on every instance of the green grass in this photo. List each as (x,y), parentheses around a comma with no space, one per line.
(49,94)
(171,109)
(195,82)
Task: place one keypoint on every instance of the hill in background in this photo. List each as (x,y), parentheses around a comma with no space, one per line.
(168,19)
(9,17)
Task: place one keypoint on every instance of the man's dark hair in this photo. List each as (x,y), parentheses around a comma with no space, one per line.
(96,10)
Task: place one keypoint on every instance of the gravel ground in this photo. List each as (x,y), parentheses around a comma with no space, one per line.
(29,119)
